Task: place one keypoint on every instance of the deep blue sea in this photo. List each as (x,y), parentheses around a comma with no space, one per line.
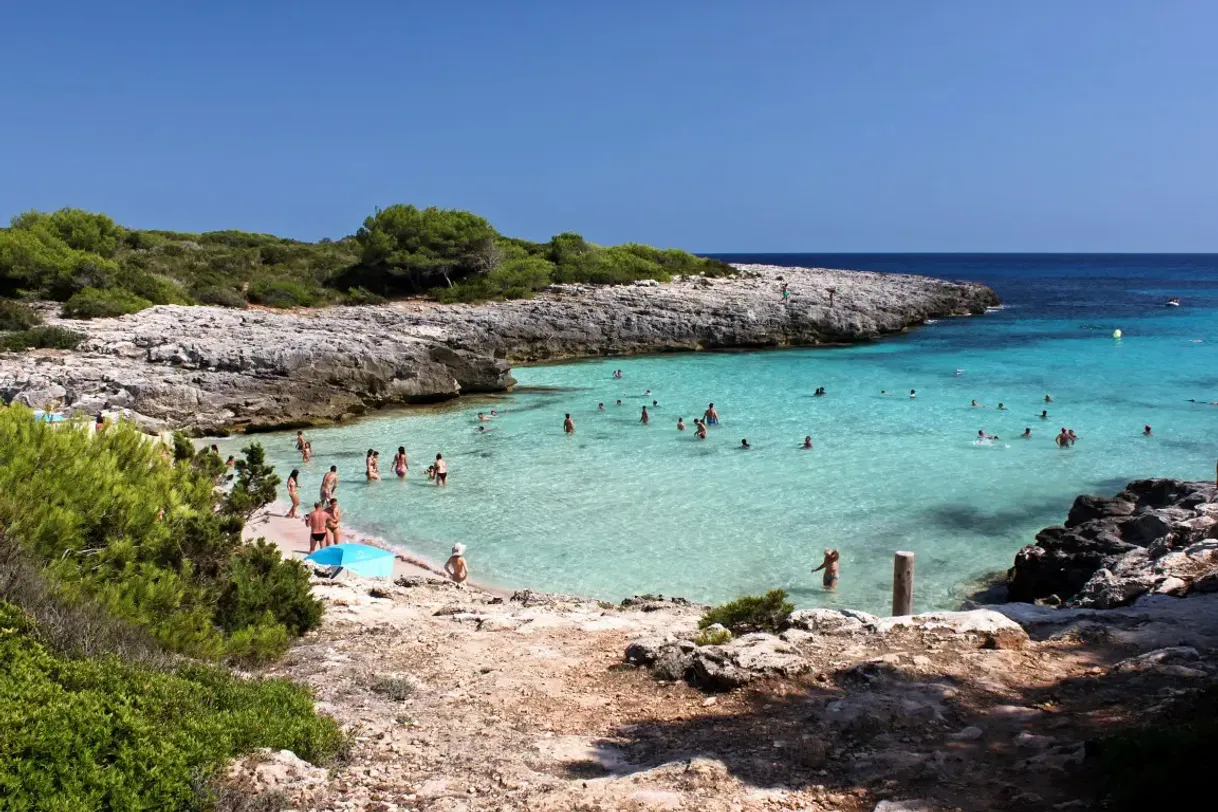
(621,508)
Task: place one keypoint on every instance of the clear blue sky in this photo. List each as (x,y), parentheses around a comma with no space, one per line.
(809,125)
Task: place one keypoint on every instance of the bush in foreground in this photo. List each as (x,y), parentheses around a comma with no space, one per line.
(17,316)
(114,520)
(104,734)
(92,303)
(751,613)
(41,338)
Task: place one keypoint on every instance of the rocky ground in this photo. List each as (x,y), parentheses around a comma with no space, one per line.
(209,369)
(459,699)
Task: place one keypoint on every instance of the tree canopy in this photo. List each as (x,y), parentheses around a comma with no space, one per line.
(100,268)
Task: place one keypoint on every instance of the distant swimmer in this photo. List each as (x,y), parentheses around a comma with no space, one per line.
(655,404)
(807,442)
(568,425)
(711,416)
(1048,398)
(1146,431)
(1026,433)
(1001,407)
(913,394)
(744,445)
(981,435)
(680,424)
(617,374)
(885,392)
(830,566)
(619,403)
(1044,414)
(600,407)
(820,391)
(647,394)
(974,404)
(645,418)
(494,413)
(959,372)
(482,418)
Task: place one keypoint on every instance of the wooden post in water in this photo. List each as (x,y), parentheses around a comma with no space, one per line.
(902,583)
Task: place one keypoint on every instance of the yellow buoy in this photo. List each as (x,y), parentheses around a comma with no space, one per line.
(1116,333)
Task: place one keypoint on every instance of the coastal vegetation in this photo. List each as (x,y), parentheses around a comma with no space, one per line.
(124,588)
(98,268)
(751,613)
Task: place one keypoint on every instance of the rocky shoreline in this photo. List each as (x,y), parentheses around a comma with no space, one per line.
(1157,536)
(211,370)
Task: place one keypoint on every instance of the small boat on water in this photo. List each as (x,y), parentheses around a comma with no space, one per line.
(1173,302)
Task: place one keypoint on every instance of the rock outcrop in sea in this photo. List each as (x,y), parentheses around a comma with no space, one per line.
(208,369)
(1158,536)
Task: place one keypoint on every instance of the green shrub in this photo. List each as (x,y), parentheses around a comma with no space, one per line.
(713,637)
(41,338)
(283,293)
(221,296)
(751,613)
(151,540)
(104,734)
(362,296)
(17,316)
(92,303)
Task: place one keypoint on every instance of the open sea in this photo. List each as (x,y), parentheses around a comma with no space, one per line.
(620,508)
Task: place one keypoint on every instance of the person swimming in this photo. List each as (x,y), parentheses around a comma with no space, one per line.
(913,393)
(655,404)
(981,435)
(1048,398)
(959,372)
(820,391)
(600,407)
(885,392)
(680,424)
(710,416)
(617,374)
(1001,407)
(494,413)
(807,442)
(744,445)
(482,418)
(619,403)
(1146,431)
(974,404)
(1026,433)
(1044,414)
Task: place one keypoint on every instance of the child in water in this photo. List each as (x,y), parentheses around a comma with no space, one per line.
(830,566)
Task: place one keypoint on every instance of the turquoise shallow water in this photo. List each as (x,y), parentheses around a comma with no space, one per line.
(620,508)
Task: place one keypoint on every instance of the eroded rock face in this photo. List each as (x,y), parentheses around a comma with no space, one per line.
(1153,537)
(208,368)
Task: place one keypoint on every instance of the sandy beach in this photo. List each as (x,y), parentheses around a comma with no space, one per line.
(292,538)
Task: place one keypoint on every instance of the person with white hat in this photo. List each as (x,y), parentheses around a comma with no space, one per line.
(455,566)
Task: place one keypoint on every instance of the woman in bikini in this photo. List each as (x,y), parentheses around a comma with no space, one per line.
(294,492)
(399,462)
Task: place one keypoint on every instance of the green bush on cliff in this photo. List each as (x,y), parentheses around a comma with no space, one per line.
(105,734)
(115,519)
(400,250)
(40,338)
(751,613)
(17,316)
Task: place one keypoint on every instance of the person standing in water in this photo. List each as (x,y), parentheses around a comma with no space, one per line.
(1044,414)
(830,566)
(807,443)
(441,472)
(316,520)
(1048,398)
(912,394)
(370,467)
(711,416)
(334,520)
(306,453)
(455,566)
(1146,431)
(300,441)
(400,466)
(744,445)
(700,432)
(329,484)
(1026,433)
(1063,439)
(568,425)
(600,407)
(680,424)
(646,418)
(294,492)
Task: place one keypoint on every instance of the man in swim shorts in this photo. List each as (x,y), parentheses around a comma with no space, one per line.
(316,520)
(711,416)
(830,566)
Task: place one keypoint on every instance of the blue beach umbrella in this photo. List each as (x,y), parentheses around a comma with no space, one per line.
(370,562)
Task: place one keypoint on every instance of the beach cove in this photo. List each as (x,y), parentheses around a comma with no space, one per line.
(620,509)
